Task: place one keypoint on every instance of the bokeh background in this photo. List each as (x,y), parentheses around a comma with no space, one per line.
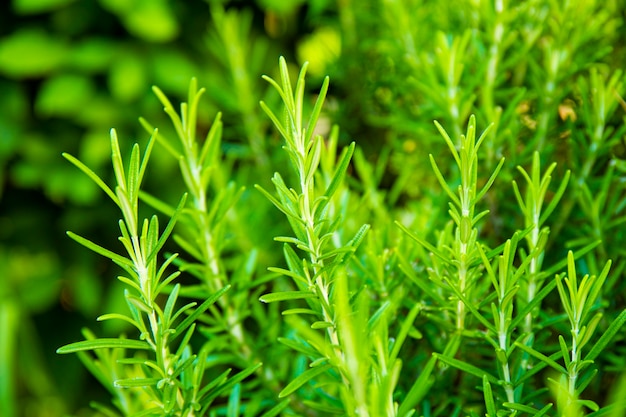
(70,70)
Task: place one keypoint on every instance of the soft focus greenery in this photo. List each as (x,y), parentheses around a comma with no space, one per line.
(339,253)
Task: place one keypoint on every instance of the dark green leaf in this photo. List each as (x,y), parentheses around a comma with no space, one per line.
(275,411)
(466,367)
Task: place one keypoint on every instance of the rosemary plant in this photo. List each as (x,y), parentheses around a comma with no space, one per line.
(376,320)
(168,379)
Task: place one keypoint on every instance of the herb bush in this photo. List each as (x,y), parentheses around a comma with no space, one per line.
(332,251)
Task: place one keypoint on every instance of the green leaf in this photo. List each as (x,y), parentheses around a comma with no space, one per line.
(136,382)
(198,311)
(164,141)
(542,357)
(280,206)
(407,324)
(273,118)
(419,389)
(100,250)
(94,177)
(169,305)
(302,379)
(298,346)
(103,343)
(286,295)
(490,182)
(299,311)
(466,367)
(555,198)
(234,401)
(589,404)
(275,411)
(424,243)
(340,172)
(526,409)
(298,278)
(116,316)
(443,183)
(168,229)
(489,402)
(470,306)
(235,379)
(547,289)
(310,128)
(606,337)
(321,325)
(133,176)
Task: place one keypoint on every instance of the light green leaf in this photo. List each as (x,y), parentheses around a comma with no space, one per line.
(489,402)
(340,172)
(606,337)
(303,378)
(299,311)
(117,316)
(136,382)
(470,306)
(235,379)
(169,305)
(298,346)
(490,182)
(94,177)
(100,250)
(542,358)
(280,206)
(424,243)
(526,409)
(168,229)
(279,126)
(407,324)
(310,128)
(103,343)
(321,325)
(164,141)
(443,183)
(298,278)
(547,289)
(286,295)
(198,311)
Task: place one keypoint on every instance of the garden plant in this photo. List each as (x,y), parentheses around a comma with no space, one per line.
(417,210)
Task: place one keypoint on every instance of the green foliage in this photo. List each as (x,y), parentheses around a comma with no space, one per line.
(297,244)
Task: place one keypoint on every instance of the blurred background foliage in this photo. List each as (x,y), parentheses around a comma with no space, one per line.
(72,69)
